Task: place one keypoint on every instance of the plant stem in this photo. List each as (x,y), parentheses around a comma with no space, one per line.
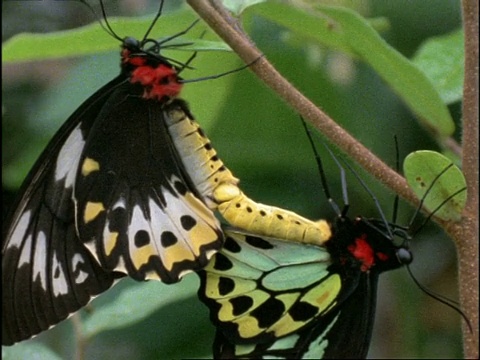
(466,232)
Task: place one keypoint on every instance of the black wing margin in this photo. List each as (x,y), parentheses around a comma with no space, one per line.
(47,273)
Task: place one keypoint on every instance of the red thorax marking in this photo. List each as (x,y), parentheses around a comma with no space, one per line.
(159,81)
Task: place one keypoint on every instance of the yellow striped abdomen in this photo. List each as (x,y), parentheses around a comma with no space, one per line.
(219,190)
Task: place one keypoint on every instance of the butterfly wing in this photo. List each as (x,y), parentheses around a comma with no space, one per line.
(136,209)
(47,273)
(342,333)
(265,296)
(286,299)
(59,251)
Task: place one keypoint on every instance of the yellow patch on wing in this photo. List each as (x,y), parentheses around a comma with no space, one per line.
(92,209)
(248,327)
(109,242)
(202,233)
(325,293)
(286,324)
(89,165)
(176,253)
(141,256)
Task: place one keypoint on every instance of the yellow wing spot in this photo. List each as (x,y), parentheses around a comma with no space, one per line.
(286,324)
(248,327)
(202,235)
(110,242)
(176,253)
(89,166)
(92,210)
(141,256)
(203,232)
(325,294)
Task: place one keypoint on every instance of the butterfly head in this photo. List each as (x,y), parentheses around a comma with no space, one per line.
(156,77)
(362,243)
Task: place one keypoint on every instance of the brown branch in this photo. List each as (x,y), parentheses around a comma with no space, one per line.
(466,233)
(230,31)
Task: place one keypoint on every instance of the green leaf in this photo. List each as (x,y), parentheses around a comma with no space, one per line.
(422,170)
(93,39)
(238,6)
(344,30)
(127,308)
(31,351)
(442,60)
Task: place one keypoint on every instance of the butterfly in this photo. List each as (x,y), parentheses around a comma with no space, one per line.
(270,297)
(111,196)
(128,186)
(274,298)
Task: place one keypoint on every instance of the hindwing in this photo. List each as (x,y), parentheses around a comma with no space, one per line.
(137,210)
(285,299)
(263,293)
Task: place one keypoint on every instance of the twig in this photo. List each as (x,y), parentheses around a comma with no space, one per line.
(466,232)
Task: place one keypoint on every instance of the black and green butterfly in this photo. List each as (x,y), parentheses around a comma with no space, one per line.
(275,298)
(272,298)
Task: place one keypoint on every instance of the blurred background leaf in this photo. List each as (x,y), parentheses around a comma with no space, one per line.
(262,141)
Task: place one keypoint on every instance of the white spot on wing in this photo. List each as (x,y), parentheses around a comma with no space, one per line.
(26,251)
(59,282)
(20,229)
(121,203)
(137,223)
(39,268)
(69,157)
(121,266)
(155,229)
(160,225)
(177,208)
(82,275)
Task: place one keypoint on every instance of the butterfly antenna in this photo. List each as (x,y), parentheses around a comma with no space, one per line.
(387,225)
(323,177)
(105,24)
(444,300)
(427,219)
(422,200)
(163,44)
(154,21)
(186,65)
(343,180)
(211,77)
(174,36)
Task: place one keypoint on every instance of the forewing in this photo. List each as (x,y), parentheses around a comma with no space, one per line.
(47,274)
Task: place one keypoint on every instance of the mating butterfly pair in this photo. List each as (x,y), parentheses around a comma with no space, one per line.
(128,187)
